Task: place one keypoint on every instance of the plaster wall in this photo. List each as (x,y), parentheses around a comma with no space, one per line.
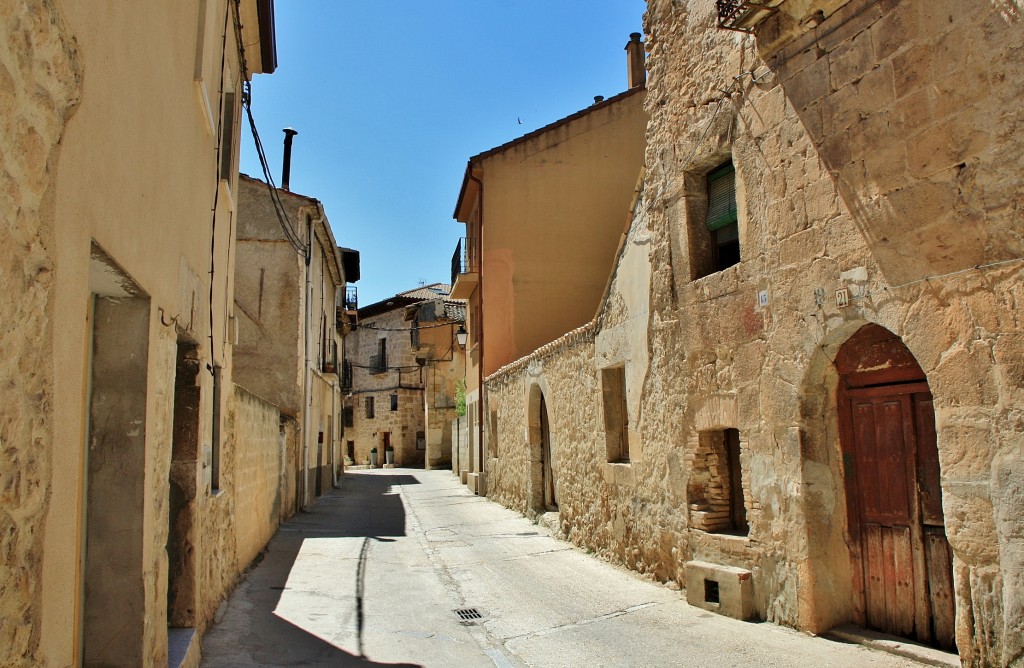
(568,187)
(104,158)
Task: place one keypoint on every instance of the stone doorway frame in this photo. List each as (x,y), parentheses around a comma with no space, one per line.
(537,396)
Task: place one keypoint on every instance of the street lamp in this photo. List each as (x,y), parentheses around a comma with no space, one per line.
(461,335)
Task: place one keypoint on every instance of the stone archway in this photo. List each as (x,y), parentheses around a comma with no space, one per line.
(860,370)
(901,564)
(541,488)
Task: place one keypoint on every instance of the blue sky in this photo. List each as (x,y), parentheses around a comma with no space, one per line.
(392,98)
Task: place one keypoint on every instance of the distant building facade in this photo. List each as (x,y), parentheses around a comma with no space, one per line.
(405,360)
(291,305)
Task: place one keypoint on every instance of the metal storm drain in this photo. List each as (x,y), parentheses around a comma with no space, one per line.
(469,614)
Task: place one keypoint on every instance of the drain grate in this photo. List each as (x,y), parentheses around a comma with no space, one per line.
(468,614)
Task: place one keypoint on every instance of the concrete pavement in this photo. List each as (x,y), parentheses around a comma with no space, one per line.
(377,569)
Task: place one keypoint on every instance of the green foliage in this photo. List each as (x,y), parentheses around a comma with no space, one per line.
(460,397)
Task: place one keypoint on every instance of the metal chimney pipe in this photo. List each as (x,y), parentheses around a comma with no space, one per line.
(637,75)
(286,169)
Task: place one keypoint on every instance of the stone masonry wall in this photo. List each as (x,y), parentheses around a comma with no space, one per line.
(40,79)
(831,195)
(403,377)
(854,170)
(258,467)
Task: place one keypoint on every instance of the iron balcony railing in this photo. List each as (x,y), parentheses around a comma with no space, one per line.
(464,260)
(351,298)
(345,378)
(741,15)
(329,364)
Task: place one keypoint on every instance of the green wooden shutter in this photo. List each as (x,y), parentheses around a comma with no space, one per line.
(721,197)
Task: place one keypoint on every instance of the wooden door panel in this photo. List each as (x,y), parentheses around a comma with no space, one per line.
(939,560)
(874,577)
(902,587)
(865,460)
(891,453)
(928,475)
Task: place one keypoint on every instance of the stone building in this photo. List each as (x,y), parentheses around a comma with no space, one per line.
(405,359)
(543,214)
(136,480)
(801,396)
(290,288)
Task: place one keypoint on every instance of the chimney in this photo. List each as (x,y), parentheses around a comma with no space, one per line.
(635,61)
(286,169)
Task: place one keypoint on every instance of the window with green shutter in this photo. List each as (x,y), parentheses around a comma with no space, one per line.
(722,221)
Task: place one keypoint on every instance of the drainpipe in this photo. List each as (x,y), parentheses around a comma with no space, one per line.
(480,367)
(307,380)
(335,390)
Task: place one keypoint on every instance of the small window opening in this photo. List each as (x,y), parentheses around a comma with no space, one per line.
(369,408)
(711,594)
(715,490)
(616,415)
(722,220)
(394,402)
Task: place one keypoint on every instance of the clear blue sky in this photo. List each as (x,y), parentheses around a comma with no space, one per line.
(392,98)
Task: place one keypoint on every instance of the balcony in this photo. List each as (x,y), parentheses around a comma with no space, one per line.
(347,315)
(465,269)
(345,378)
(329,363)
(743,15)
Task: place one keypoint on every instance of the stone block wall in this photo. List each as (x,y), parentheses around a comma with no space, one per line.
(40,80)
(258,473)
(830,198)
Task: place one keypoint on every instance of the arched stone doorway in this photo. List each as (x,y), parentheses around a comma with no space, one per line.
(543,497)
(901,564)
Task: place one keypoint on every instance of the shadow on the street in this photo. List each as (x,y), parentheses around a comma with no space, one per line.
(364,506)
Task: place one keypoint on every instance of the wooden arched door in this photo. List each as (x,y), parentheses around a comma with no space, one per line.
(902,564)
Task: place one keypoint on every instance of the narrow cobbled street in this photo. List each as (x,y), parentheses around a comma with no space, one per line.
(378,570)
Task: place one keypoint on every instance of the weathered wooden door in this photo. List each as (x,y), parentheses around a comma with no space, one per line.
(902,561)
(550,500)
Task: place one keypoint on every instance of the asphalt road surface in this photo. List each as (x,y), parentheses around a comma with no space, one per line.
(377,571)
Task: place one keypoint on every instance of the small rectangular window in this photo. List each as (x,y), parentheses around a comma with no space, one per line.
(722,220)
(394,402)
(616,415)
(349,416)
(227,142)
(715,488)
(369,408)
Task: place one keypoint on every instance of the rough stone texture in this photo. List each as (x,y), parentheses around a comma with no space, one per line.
(420,369)
(258,467)
(40,78)
(877,152)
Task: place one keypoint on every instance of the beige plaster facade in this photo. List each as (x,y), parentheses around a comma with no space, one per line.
(544,214)
(405,361)
(289,302)
(119,201)
(876,148)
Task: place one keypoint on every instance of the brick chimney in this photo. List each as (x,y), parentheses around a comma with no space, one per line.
(635,61)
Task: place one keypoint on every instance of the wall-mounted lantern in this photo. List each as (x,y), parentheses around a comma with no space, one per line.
(461,335)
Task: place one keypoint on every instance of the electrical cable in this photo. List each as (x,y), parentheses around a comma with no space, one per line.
(282,214)
(409,329)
